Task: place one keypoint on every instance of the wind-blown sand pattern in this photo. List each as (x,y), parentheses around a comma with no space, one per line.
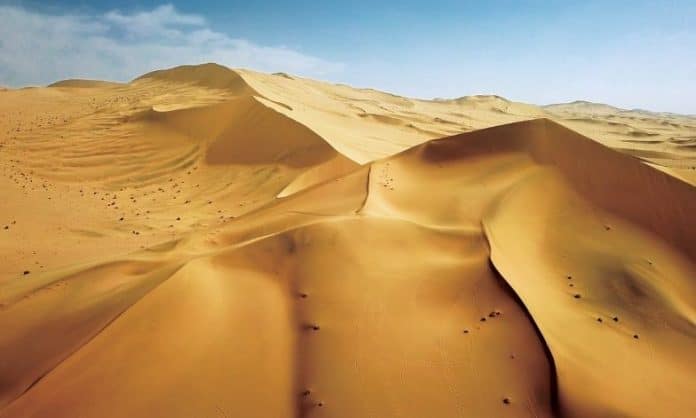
(203,242)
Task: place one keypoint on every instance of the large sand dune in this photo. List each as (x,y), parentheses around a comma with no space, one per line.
(217,243)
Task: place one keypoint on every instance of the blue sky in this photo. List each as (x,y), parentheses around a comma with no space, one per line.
(633,54)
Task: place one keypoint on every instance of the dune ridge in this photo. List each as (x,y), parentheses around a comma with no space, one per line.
(210,242)
(209,75)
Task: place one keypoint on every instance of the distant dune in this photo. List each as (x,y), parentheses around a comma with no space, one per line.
(84,83)
(208,242)
(581,106)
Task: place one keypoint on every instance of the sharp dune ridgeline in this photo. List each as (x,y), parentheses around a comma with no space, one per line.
(208,242)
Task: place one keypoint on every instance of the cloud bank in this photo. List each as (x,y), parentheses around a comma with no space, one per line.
(38,48)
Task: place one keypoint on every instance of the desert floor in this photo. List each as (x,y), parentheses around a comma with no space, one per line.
(207,242)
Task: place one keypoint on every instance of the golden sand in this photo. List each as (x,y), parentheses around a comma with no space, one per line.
(203,242)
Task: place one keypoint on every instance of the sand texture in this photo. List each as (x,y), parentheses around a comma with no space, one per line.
(207,242)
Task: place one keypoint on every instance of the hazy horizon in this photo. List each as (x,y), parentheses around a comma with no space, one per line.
(631,55)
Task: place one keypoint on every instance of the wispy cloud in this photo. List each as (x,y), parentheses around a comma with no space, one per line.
(38,48)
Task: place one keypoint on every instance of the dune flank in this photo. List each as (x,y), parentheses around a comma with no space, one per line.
(211,242)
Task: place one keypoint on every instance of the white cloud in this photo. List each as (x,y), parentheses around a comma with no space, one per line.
(37,48)
(159,17)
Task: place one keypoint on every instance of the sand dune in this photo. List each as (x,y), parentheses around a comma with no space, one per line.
(210,242)
(81,83)
(244,131)
(212,76)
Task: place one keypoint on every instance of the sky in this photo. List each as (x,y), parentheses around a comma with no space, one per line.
(631,54)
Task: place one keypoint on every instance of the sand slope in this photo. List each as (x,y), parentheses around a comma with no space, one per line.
(209,242)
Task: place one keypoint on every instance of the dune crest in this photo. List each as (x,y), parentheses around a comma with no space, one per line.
(210,242)
(209,75)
